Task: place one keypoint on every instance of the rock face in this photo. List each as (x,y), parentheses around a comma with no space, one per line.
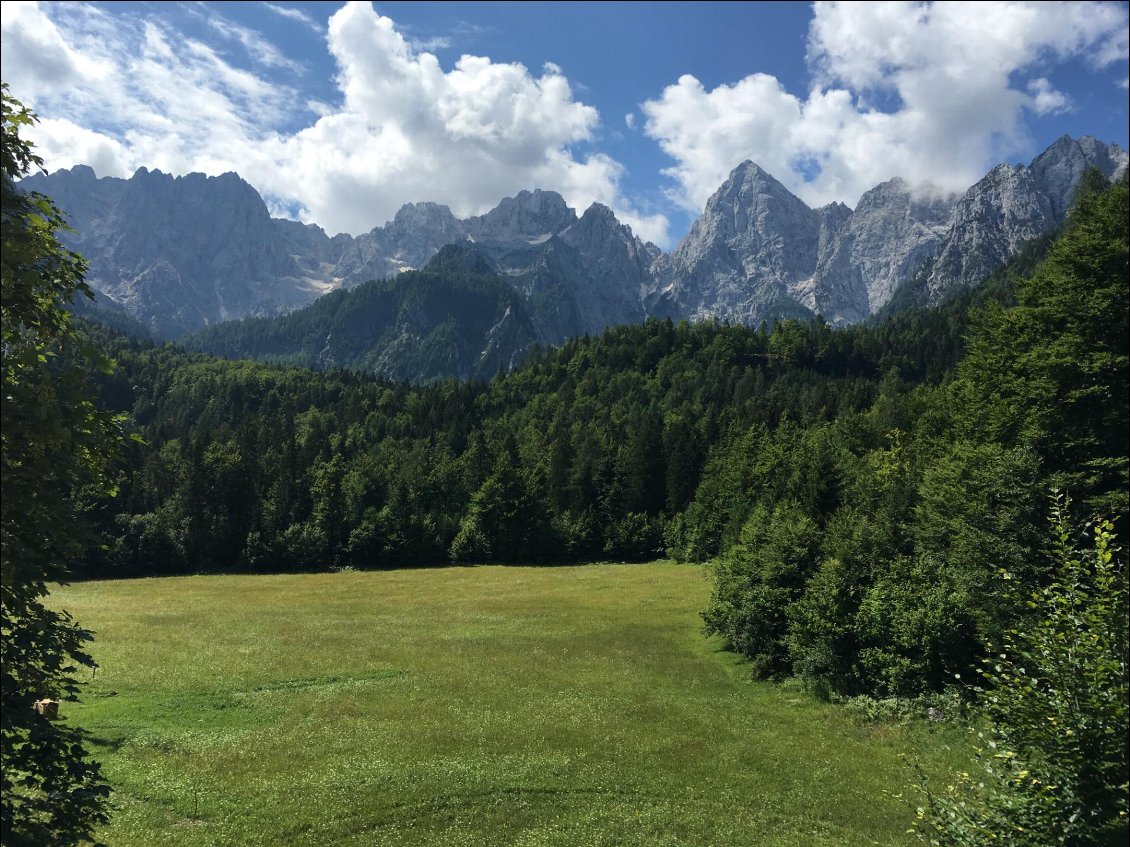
(758,252)
(183,253)
(1011,205)
(408,241)
(530,217)
(1059,168)
(455,318)
(990,223)
(876,248)
(617,269)
(753,248)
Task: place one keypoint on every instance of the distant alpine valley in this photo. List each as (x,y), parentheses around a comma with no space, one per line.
(182,254)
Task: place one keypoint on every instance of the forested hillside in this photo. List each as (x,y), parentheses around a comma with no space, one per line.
(860,488)
(455,318)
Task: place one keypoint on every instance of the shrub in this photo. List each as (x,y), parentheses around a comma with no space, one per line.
(1053,761)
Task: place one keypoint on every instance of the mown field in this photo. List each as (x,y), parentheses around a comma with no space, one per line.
(466,706)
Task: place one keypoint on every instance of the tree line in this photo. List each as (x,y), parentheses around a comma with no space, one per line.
(858,490)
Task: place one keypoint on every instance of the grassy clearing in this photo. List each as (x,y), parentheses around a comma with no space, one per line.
(464,706)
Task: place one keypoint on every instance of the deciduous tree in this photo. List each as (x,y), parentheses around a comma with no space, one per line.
(54,445)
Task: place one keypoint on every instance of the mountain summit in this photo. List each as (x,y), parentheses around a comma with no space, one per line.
(759,252)
(182,253)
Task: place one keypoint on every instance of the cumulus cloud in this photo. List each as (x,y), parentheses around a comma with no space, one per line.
(935,93)
(36,58)
(406,129)
(409,129)
(72,145)
(1046,100)
(710,132)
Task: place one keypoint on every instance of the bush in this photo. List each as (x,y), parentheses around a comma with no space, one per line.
(1053,766)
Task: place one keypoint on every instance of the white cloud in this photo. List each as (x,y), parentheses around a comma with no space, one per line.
(36,58)
(257,47)
(134,94)
(1113,48)
(1046,100)
(709,133)
(924,91)
(70,145)
(295,15)
(406,129)
(436,42)
(466,137)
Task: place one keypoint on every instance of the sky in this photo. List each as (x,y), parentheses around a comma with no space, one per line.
(340,113)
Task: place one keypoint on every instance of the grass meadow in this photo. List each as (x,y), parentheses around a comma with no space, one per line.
(466,706)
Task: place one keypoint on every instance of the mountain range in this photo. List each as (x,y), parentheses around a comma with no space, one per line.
(181,254)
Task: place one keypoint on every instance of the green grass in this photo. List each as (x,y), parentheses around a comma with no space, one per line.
(465,706)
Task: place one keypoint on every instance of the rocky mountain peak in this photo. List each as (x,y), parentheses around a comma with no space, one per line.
(751,202)
(747,171)
(597,219)
(423,214)
(183,252)
(755,244)
(599,236)
(1005,209)
(598,211)
(832,217)
(408,241)
(529,216)
(81,173)
(883,194)
(1059,168)
(745,184)
(185,198)
(891,232)
(80,194)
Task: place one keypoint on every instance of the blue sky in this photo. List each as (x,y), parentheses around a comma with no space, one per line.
(339,114)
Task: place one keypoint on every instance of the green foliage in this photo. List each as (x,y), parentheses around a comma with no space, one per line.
(915,626)
(936,708)
(1051,373)
(54,442)
(608,438)
(977,512)
(636,537)
(919,494)
(858,487)
(425,325)
(1054,767)
(499,525)
(757,580)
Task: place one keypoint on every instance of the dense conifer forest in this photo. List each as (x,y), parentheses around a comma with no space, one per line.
(858,490)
